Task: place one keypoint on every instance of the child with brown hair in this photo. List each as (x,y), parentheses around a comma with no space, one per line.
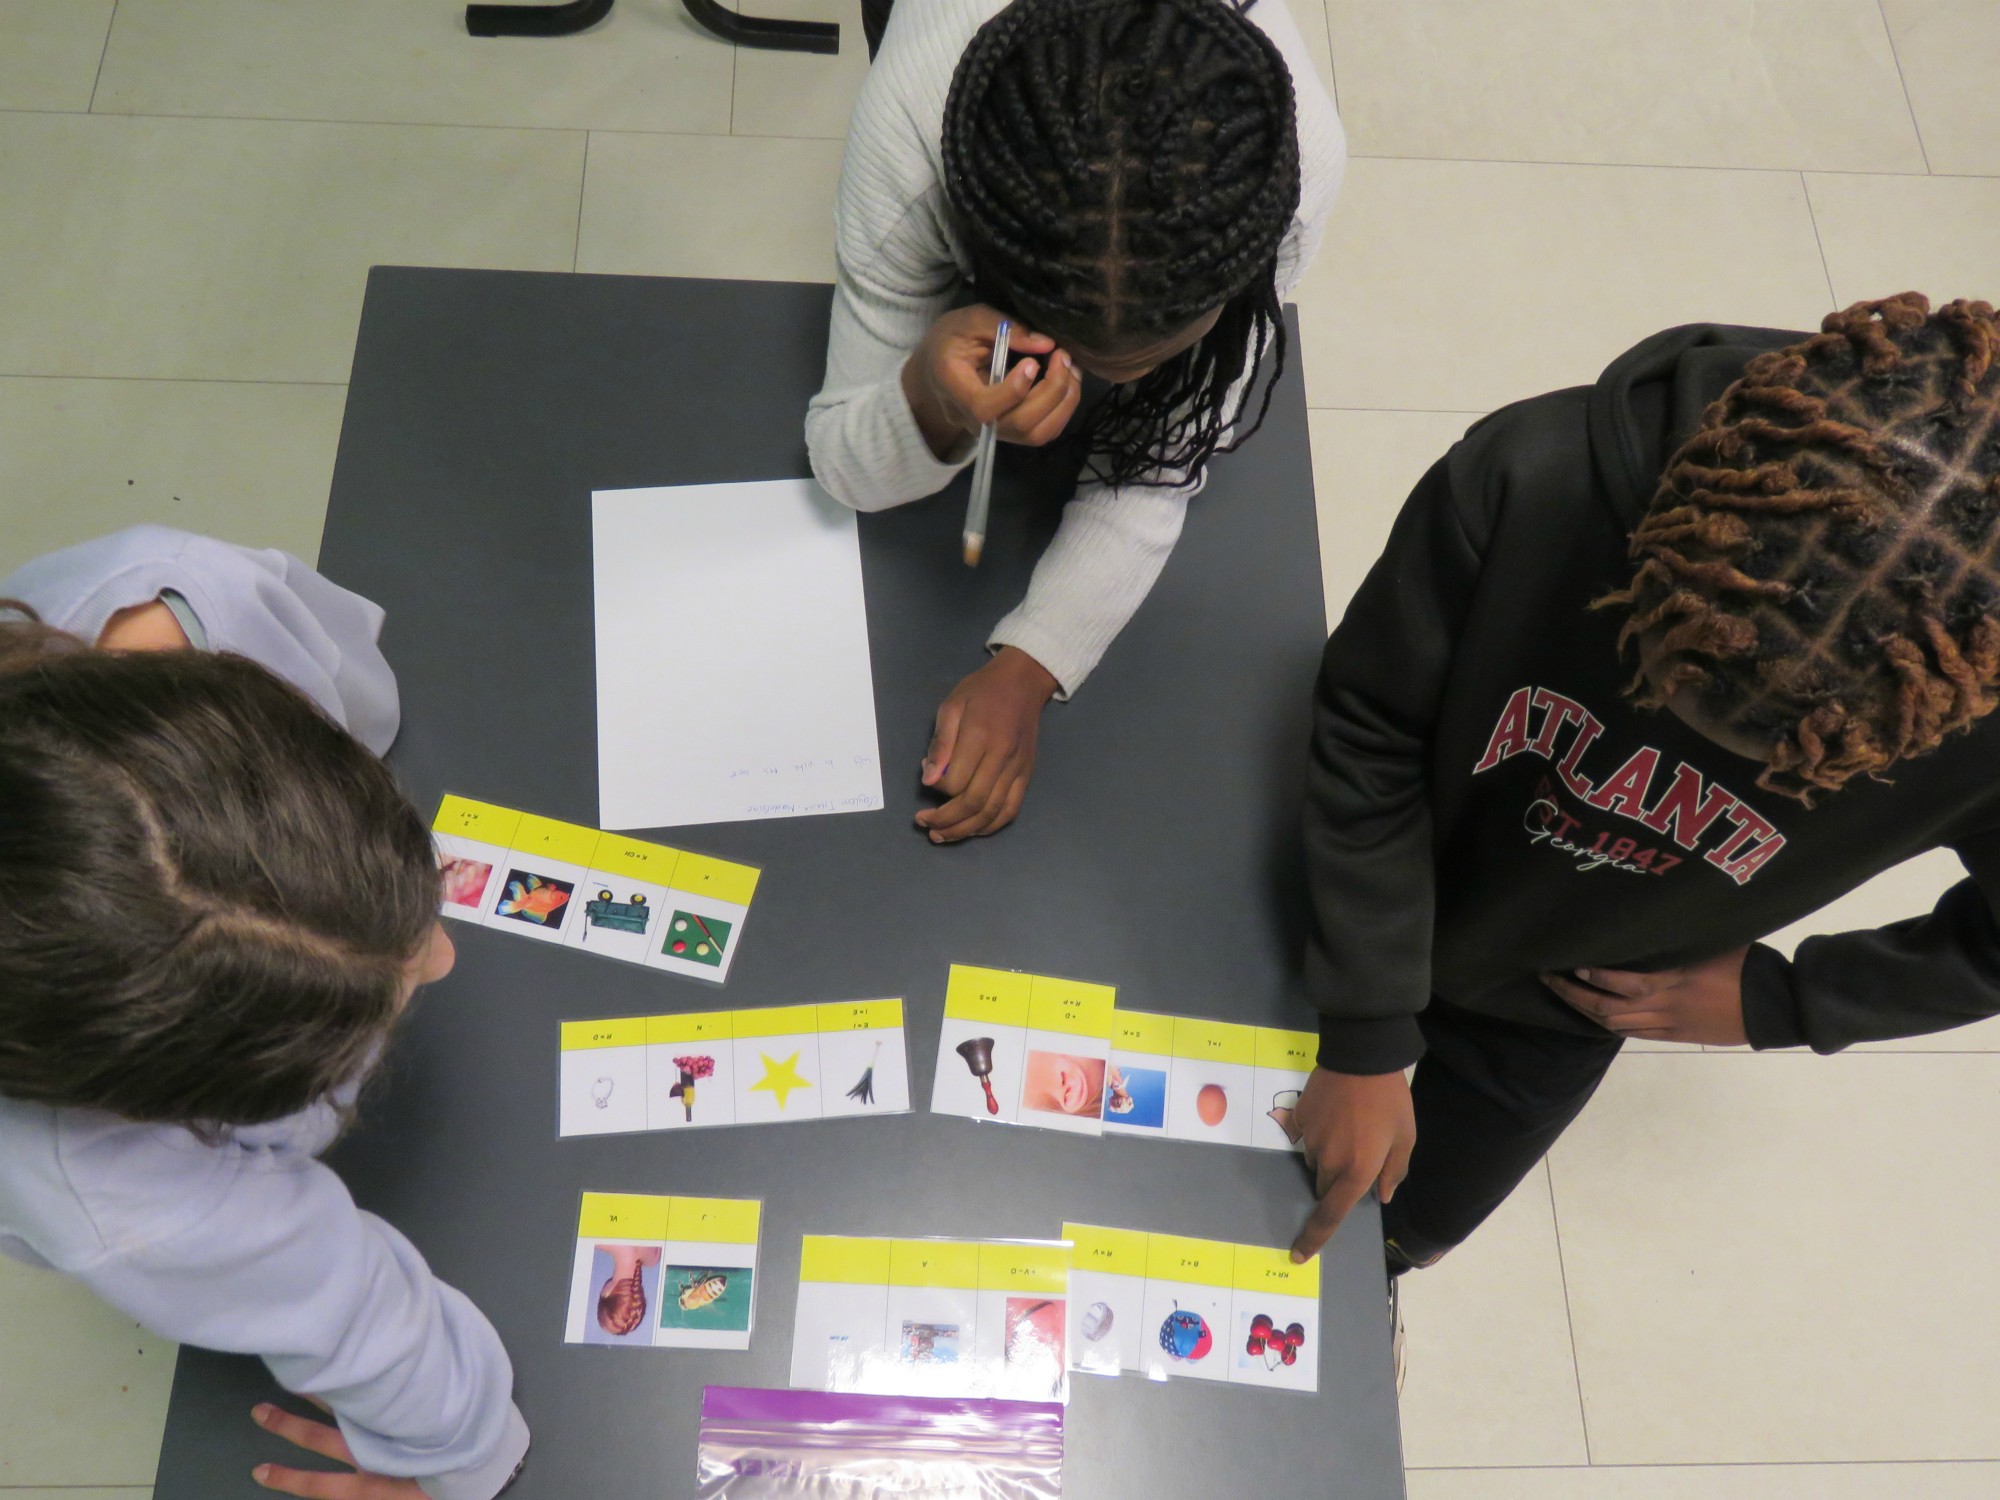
(1516,860)
(215,903)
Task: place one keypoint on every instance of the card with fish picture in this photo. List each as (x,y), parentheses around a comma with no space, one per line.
(932,1317)
(1175,1308)
(735,1067)
(1024,1049)
(664,1272)
(596,892)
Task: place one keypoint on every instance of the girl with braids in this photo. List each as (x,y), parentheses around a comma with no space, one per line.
(1136,185)
(1649,670)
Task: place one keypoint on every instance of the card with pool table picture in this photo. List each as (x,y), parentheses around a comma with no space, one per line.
(581,888)
(1024,1049)
(663,1272)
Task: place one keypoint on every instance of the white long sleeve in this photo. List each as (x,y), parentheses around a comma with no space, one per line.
(252,1246)
(900,265)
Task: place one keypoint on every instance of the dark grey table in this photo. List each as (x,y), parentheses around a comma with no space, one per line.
(1157,852)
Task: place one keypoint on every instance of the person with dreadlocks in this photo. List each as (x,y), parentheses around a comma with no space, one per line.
(1648,670)
(1136,185)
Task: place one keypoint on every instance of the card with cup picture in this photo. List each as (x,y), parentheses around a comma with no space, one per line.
(934,1319)
(1284,1060)
(691,1070)
(1274,1321)
(982,1044)
(615,1276)
(840,1338)
(1208,1091)
(1189,1286)
(704,910)
(545,870)
(474,840)
(1107,1299)
(708,1278)
(863,1058)
(1067,1054)
(622,900)
(776,1055)
(1022,1324)
(1135,1084)
(602,1085)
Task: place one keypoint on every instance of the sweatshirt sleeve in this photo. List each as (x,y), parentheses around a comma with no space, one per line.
(1368,827)
(1910,978)
(268,1255)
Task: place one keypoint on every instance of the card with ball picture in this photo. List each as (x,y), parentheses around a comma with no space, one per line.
(660,1272)
(1189,1283)
(1209,1087)
(1107,1299)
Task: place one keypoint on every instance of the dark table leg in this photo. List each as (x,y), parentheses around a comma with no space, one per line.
(579,15)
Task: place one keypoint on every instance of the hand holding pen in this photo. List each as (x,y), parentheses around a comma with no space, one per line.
(945,383)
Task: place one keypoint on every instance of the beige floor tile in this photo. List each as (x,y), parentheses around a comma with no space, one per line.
(83,1389)
(1933,1481)
(759,210)
(411,62)
(49,51)
(1491,1376)
(1785,1259)
(1908,890)
(1699,83)
(1365,463)
(66,1492)
(1465,285)
(1891,234)
(1312,23)
(1946,48)
(801,93)
(238,250)
(248,463)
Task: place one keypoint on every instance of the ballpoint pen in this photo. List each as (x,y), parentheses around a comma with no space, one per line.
(982,458)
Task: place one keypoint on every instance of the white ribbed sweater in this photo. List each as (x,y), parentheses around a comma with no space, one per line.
(900,266)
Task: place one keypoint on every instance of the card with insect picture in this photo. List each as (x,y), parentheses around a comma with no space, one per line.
(933,1317)
(603,893)
(1024,1049)
(733,1067)
(1171,1307)
(664,1272)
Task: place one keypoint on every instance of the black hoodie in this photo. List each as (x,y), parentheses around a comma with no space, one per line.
(1484,802)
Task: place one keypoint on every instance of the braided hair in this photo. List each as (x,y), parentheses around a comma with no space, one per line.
(1119,169)
(1822,556)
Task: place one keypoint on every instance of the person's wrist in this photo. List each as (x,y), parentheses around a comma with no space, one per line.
(1023,669)
(941,432)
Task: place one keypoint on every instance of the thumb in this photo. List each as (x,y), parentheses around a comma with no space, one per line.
(944,738)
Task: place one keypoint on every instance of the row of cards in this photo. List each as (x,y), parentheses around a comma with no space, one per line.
(664,1273)
(1027,1049)
(734,1067)
(1169,1307)
(600,892)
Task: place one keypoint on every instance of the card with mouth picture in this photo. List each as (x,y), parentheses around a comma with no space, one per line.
(664,1272)
(579,887)
(1024,1049)
(1175,1308)
(933,1317)
(733,1067)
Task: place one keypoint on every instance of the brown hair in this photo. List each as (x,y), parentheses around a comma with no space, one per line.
(210,893)
(1822,556)
(25,640)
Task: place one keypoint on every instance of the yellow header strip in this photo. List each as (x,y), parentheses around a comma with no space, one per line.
(723,1221)
(699,875)
(848,1259)
(1142,1031)
(1260,1269)
(622,1216)
(580,1036)
(633,859)
(1170,1257)
(859,1015)
(1289,1051)
(776,1020)
(1116,1252)
(935,1263)
(702,1026)
(994,997)
(1215,1041)
(549,838)
(1024,1268)
(1071,1007)
(476,820)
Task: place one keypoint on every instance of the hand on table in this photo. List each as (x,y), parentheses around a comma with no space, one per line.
(318,1484)
(983,750)
(1357,1132)
(945,381)
(1697,1003)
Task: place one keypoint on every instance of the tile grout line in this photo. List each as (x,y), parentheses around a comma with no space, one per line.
(337,385)
(582,192)
(102,53)
(1889,35)
(1569,1318)
(1812,215)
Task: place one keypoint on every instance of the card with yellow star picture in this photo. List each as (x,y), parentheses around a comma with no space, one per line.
(777,1065)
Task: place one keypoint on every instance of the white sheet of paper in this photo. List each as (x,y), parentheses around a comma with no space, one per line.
(732,656)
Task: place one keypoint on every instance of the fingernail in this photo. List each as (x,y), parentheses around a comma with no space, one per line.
(261,1412)
(262,1473)
(1030,367)
(1588,976)
(930,768)
(1298,1257)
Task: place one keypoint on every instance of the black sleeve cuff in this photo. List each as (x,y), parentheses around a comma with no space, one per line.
(1770,1007)
(1386,1045)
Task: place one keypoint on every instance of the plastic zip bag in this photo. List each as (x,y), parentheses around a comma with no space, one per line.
(820,1445)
